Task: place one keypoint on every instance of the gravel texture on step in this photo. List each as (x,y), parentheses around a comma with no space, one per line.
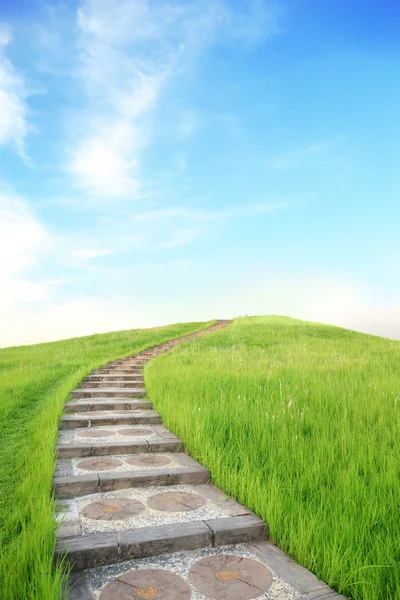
(149,517)
(126,466)
(180,564)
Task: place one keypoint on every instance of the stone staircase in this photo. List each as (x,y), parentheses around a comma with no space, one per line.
(140,518)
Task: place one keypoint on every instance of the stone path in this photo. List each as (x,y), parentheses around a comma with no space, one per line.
(140,519)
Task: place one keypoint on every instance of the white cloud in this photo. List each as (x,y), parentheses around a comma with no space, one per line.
(87,253)
(128,55)
(13,108)
(23,243)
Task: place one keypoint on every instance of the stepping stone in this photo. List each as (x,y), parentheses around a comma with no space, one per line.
(96,433)
(99,464)
(147,584)
(113,509)
(230,577)
(176,502)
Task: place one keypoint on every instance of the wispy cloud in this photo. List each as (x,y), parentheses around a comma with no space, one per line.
(229,212)
(129,53)
(317,154)
(13,108)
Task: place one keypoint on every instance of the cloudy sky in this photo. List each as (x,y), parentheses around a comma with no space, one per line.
(166,161)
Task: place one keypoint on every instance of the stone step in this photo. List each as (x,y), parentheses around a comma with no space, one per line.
(115,377)
(81,450)
(133,371)
(123,463)
(71,486)
(105,404)
(137,361)
(130,383)
(281,577)
(88,419)
(93,550)
(108,392)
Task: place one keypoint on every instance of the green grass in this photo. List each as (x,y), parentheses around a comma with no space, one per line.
(300,422)
(34,385)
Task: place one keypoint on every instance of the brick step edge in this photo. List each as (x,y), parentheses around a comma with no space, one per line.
(130,384)
(72,422)
(94,550)
(142,447)
(108,392)
(80,485)
(108,405)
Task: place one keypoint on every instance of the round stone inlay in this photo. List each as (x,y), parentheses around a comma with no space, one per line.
(96,433)
(99,464)
(149,461)
(230,577)
(147,584)
(113,509)
(135,431)
(176,501)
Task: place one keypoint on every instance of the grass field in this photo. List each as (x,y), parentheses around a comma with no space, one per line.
(301,422)
(34,385)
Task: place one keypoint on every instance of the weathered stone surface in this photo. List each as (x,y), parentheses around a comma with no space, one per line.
(237,530)
(230,577)
(137,543)
(149,461)
(286,568)
(96,433)
(110,404)
(79,588)
(99,464)
(79,421)
(87,551)
(103,449)
(68,530)
(113,509)
(76,485)
(176,501)
(231,506)
(121,383)
(108,392)
(63,468)
(136,432)
(147,584)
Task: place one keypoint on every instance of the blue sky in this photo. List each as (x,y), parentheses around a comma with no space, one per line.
(183,160)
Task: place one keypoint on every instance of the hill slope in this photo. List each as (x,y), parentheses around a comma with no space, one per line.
(34,385)
(300,421)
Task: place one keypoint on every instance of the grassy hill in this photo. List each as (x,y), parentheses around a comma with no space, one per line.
(301,422)
(34,385)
